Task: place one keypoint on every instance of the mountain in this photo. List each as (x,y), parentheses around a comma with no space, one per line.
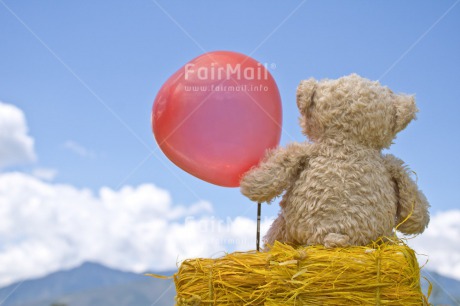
(446,291)
(93,284)
(90,284)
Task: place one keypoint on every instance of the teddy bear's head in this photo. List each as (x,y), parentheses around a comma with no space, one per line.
(353,109)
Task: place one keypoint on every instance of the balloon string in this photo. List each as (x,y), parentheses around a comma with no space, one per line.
(259,208)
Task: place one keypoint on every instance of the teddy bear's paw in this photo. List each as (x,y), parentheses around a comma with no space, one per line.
(334,240)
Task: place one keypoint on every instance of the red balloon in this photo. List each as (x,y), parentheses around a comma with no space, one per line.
(216,116)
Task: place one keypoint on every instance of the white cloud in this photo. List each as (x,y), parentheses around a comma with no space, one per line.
(16,146)
(46,174)
(440,244)
(78,149)
(46,227)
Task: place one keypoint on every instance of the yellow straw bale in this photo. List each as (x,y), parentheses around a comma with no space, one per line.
(383,273)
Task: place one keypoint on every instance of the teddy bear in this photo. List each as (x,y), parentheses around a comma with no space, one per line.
(339,188)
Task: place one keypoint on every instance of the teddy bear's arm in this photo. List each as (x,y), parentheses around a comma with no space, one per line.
(273,175)
(412,203)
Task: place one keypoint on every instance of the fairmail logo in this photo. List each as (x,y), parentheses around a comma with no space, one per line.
(227,72)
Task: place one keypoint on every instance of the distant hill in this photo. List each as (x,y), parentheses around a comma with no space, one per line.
(93,284)
(90,284)
(446,291)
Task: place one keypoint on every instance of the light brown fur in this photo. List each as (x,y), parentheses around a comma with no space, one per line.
(340,189)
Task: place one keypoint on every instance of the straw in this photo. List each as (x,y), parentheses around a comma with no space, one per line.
(385,272)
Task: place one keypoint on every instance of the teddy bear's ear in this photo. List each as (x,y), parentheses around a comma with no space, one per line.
(305,94)
(405,111)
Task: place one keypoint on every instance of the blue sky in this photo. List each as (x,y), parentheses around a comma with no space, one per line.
(85,75)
